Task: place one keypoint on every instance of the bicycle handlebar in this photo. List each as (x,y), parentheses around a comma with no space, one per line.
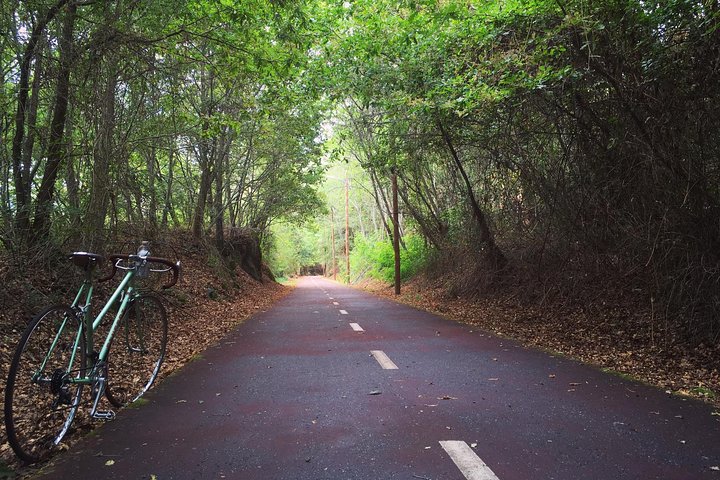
(175,267)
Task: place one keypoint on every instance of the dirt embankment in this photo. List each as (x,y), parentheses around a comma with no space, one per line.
(207,302)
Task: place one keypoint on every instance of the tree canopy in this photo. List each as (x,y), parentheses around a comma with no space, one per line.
(154,114)
(541,138)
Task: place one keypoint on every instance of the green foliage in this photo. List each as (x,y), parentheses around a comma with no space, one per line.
(548,128)
(138,403)
(291,247)
(572,126)
(375,257)
(180,113)
(704,392)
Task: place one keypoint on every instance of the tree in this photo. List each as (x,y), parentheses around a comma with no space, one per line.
(21,172)
(552,120)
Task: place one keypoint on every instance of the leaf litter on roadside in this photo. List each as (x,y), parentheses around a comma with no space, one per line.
(195,322)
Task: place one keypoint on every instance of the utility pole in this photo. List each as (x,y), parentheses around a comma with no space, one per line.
(332,241)
(396,231)
(347,227)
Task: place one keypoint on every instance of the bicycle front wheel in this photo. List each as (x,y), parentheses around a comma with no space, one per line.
(137,350)
(40,397)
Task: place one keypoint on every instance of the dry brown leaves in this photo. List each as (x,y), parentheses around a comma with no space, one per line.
(202,308)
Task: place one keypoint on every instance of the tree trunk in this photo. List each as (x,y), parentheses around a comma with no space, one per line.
(103,153)
(218,204)
(347,229)
(429,233)
(56,148)
(378,195)
(22,194)
(396,232)
(72,183)
(487,241)
(199,214)
(332,242)
(387,210)
(206,153)
(167,204)
(27,172)
(151,172)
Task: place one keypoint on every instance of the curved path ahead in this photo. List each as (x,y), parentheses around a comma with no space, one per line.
(333,383)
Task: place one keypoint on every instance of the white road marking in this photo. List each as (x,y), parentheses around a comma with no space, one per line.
(357,327)
(336,303)
(343,312)
(471,466)
(383,360)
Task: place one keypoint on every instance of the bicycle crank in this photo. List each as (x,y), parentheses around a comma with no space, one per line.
(98,391)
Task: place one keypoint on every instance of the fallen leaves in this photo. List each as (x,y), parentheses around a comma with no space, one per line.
(195,321)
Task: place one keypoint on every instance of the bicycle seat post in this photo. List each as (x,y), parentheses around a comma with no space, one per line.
(88,274)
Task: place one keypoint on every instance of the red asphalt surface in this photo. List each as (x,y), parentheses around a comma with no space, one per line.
(294,393)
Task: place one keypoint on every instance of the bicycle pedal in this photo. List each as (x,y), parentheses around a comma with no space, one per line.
(104,415)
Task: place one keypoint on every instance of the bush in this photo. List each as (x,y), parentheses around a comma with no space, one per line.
(375,257)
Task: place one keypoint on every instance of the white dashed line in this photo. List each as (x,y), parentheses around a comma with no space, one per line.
(471,466)
(343,312)
(336,303)
(357,327)
(383,360)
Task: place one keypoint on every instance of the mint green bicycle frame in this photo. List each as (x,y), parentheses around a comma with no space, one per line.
(88,329)
(84,360)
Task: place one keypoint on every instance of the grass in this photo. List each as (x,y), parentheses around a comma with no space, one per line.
(624,376)
(703,392)
(138,403)
(287,281)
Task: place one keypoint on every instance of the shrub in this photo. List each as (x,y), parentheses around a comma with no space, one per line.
(375,257)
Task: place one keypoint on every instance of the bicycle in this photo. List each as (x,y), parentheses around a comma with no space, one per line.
(56,357)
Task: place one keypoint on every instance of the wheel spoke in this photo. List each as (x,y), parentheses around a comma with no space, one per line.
(137,351)
(46,353)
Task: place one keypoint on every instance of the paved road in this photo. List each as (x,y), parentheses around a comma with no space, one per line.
(299,393)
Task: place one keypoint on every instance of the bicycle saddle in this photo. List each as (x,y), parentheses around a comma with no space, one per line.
(86,261)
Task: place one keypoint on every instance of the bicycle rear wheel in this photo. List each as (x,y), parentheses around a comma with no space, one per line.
(40,400)
(137,350)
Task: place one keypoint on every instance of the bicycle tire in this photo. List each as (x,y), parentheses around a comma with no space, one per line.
(137,350)
(39,404)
